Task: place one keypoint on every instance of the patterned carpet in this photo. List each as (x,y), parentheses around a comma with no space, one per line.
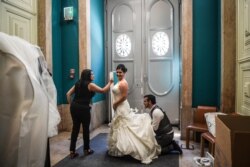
(101,159)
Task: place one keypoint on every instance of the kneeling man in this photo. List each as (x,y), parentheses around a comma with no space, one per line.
(161,125)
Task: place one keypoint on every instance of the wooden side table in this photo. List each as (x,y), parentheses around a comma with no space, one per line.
(211,139)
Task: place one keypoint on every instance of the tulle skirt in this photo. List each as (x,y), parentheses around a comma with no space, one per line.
(132,134)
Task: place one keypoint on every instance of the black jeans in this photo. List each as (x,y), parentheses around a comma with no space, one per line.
(47,159)
(80,115)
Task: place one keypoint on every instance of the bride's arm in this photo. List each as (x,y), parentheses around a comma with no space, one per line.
(123,86)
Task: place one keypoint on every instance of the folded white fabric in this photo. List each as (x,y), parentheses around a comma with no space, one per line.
(201,161)
(210,120)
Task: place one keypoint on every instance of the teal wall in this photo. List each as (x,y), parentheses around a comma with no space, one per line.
(206,52)
(56,49)
(66,49)
(97,44)
(219,54)
(70,48)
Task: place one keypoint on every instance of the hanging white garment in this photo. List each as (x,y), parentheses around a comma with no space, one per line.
(28,112)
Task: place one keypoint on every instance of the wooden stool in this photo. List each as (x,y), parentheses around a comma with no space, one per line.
(211,139)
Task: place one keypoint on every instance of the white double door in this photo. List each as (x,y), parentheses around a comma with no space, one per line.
(144,36)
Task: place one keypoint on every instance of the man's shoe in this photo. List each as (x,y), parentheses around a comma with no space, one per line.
(167,149)
(177,147)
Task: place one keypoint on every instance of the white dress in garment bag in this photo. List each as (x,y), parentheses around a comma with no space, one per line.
(28,112)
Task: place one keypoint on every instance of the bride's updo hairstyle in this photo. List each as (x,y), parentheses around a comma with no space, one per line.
(121,67)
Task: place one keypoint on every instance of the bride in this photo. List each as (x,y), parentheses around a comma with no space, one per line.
(130,134)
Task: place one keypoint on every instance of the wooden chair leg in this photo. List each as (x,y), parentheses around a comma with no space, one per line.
(212,150)
(187,138)
(209,147)
(202,145)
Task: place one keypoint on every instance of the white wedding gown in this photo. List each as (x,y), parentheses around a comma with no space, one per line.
(131,133)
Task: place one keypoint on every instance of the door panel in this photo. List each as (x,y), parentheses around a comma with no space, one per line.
(18,22)
(243,58)
(26,5)
(144,36)
(124,19)
(162,75)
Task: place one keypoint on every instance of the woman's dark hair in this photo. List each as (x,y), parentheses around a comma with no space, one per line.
(85,76)
(84,80)
(121,67)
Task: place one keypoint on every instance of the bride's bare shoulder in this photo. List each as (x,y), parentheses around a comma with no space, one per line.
(123,83)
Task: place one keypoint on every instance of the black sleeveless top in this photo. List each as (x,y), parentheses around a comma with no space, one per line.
(165,125)
(82,94)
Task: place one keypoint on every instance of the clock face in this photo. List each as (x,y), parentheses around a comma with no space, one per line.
(160,43)
(123,45)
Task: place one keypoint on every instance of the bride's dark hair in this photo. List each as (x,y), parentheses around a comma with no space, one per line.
(121,67)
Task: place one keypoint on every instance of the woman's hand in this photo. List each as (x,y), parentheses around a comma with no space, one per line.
(95,88)
(115,105)
(111,81)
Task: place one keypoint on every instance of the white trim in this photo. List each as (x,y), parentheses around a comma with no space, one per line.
(98,114)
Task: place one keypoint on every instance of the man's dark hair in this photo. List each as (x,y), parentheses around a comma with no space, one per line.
(151,98)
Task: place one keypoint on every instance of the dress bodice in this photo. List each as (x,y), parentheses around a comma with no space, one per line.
(124,107)
(116,91)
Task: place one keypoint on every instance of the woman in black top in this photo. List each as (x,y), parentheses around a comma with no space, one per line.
(80,107)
